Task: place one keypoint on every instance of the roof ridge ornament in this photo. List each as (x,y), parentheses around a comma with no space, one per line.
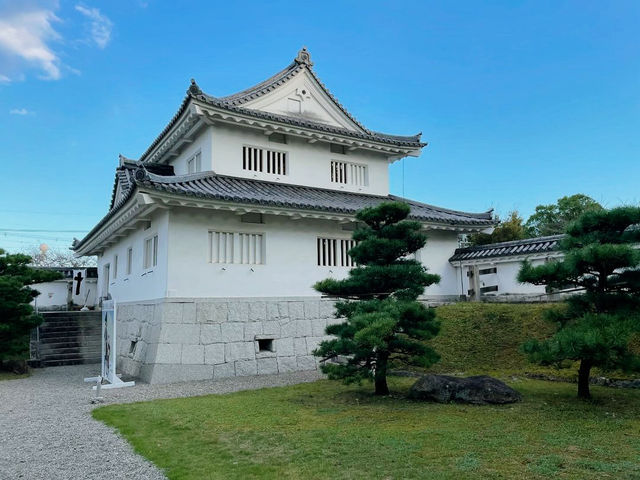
(194,89)
(304,57)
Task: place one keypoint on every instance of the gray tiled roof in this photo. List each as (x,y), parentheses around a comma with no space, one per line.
(211,186)
(233,103)
(506,249)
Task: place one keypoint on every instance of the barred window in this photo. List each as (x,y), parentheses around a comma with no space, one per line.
(234,247)
(264,160)
(332,252)
(348,173)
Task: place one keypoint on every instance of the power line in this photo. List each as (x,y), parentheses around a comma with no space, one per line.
(37,230)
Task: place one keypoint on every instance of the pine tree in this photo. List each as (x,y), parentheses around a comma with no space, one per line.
(383,320)
(597,325)
(16,314)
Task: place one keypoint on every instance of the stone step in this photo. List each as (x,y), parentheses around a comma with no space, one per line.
(44,352)
(70,356)
(76,361)
(70,343)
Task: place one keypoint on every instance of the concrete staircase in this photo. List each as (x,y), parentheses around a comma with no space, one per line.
(67,338)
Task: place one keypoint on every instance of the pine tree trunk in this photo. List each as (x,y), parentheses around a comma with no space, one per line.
(583,380)
(381,373)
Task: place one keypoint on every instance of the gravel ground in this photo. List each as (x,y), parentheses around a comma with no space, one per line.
(47,432)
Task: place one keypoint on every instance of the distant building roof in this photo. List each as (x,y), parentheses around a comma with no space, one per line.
(506,249)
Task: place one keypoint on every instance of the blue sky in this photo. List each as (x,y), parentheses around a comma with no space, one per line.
(521,102)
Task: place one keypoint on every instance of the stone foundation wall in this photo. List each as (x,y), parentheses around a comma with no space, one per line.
(173,340)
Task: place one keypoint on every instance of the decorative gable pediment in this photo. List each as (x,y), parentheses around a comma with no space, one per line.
(303,97)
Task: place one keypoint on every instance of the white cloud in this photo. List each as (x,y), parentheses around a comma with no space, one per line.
(19,111)
(25,34)
(100,25)
(4,79)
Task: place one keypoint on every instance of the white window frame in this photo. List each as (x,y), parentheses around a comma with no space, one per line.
(346,172)
(238,255)
(129,260)
(194,163)
(150,252)
(106,272)
(265,166)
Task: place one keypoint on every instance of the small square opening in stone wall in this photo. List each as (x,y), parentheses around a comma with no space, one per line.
(265,345)
(132,347)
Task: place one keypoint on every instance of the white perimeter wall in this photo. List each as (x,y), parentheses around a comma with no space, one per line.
(506,278)
(141,284)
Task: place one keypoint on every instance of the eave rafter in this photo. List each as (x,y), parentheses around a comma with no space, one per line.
(196,115)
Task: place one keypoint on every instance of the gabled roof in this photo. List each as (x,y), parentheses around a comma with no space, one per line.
(527,246)
(211,186)
(236,103)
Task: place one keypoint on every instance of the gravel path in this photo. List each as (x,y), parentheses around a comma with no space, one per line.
(47,432)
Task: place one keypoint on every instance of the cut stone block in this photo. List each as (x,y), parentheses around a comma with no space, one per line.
(306,362)
(246,367)
(210,333)
(284,347)
(224,370)
(257,311)
(267,366)
(193,354)
(232,332)
(239,351)
(168,353)
(180,333)
(238,312)
(287,364)
(214,354)
(311,309)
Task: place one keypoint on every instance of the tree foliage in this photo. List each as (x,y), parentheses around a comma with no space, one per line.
(554,219)
(16,314)
(381,315)
(595,329)
(510,229)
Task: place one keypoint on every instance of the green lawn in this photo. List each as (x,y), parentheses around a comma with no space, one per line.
(12,376)
(325,430)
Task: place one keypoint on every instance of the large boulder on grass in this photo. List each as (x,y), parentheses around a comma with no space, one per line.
(478,390)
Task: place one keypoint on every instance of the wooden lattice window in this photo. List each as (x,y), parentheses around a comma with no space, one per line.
(348,173)
(264,160)
(333,252)
(234,247)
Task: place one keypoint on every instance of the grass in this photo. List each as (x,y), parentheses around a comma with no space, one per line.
(12,376)
(326,430)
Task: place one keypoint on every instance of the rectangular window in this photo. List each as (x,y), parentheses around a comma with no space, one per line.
(115,267)
(341,149)
(194,164)
(129,260)
(234,247)
(348,173)
(487,271)
(264,160)
(151,252)
(105,283)
(332,252)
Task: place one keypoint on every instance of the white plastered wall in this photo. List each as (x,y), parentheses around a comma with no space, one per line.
(308,163)
(141,283)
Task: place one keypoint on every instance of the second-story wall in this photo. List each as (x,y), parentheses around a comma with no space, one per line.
(221,150)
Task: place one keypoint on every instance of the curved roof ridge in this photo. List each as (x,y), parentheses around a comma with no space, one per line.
(481,215)
(263,87)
